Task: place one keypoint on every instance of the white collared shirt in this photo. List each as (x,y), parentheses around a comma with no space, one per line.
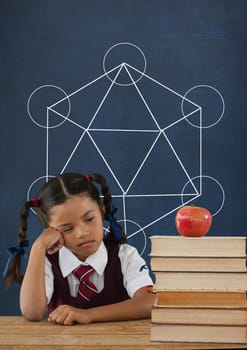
(134,269)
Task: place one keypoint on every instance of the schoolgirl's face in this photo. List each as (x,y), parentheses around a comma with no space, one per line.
(80,221)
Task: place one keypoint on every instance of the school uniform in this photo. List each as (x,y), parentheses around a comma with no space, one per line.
(119,272)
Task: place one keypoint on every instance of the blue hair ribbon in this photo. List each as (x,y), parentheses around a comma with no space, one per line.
(14,250)
(117,230)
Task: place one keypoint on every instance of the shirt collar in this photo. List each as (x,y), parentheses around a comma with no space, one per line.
(68,261)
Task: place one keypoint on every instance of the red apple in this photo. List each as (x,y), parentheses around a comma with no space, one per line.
(193,221)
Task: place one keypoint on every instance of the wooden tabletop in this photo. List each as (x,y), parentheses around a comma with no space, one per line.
(18,334)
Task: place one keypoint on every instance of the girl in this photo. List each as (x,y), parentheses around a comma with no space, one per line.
(114,283)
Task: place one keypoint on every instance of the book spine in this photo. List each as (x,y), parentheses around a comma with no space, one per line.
(199,247)
(201,281)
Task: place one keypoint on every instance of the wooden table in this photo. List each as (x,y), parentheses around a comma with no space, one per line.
(18,334)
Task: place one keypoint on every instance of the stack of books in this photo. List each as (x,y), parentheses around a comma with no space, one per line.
(201,286)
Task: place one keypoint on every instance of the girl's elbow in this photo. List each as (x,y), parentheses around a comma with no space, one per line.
(32,315)
(32,318)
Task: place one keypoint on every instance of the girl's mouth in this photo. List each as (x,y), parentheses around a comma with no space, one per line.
(86,244)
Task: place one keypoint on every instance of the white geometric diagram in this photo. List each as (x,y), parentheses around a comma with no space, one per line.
(147,139)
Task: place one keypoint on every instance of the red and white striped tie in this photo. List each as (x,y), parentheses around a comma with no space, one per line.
(87,289)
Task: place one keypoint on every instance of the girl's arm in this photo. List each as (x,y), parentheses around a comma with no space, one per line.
(33,301)
(138,307)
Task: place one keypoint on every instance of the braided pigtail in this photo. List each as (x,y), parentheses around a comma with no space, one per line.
(54,192)
(116,231)
(12,272)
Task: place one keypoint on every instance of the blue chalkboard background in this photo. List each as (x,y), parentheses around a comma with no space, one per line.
(150,93)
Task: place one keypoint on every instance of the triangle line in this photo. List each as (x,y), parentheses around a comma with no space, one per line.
(144,160)
(105,161)
(155,195)
(73,152)
(66,118)
(103,100)
(166,87)
(179,160)
(179,120)
(125,130)
(144,101)
(138,90)
(85,86)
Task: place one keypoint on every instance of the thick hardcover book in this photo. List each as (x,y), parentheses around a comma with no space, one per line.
(198,333)
(200,299)
(200,316)
(214,246)
(198,264)
(209,281)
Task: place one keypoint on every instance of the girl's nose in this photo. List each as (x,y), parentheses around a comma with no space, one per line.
(81,232)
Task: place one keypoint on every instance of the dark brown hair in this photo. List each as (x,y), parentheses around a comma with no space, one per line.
(56,191)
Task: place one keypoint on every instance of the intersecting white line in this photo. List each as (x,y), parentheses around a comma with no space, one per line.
(85,86)
(100,105)
(155,195)
(183,118)
(95,114)
(73,152)
(159,131)
(66,118)
(145,103)
(144,160)
(106,163)
(176,155)
(126,130)
(164,86)
(103,100)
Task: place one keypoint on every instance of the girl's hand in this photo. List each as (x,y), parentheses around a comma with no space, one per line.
(68,315)
(52,239)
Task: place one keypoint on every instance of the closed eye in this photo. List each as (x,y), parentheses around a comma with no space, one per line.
(67,229)
(89,219)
